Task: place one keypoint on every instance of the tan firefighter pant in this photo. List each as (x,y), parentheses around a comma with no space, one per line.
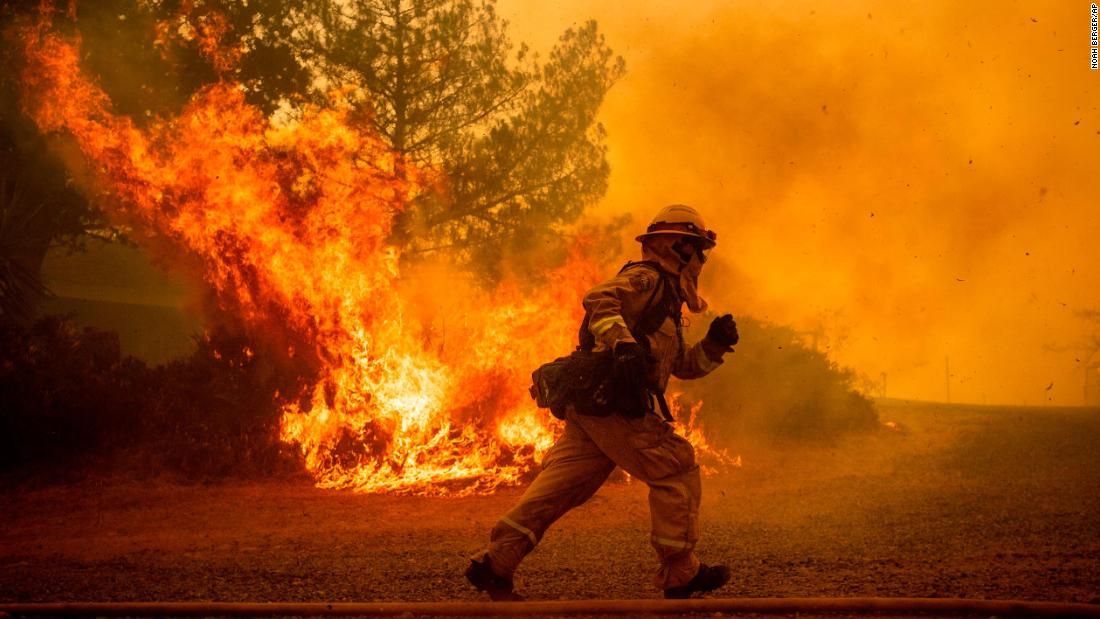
(578,464)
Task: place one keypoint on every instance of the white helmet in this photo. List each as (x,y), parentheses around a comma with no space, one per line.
(680,219)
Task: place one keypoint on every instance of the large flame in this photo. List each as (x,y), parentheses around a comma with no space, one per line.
(422,381)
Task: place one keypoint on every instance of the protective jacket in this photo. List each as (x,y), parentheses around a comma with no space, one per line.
(615,309)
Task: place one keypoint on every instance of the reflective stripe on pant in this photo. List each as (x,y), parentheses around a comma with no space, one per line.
(578,464)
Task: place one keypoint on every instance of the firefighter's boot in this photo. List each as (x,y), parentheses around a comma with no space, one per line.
(708,578)
(482,577)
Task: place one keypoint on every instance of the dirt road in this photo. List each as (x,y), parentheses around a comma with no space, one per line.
(992,503)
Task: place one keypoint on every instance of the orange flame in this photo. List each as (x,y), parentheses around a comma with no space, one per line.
(422,380)
(710,457)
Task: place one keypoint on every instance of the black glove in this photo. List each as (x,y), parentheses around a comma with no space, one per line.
(723,331)
(631,375)
(631,363)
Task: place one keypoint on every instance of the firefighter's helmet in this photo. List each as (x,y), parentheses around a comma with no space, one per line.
(680,219)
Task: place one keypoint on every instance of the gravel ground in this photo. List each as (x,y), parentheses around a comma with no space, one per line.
(972,502)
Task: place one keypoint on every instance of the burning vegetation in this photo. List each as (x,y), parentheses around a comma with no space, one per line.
(382,373)
(288,225)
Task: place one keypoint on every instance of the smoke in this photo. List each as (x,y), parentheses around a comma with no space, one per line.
(912,180)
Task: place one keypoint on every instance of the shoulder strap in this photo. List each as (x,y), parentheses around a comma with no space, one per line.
(663,303)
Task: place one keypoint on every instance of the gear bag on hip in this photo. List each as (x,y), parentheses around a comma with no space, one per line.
(584,378)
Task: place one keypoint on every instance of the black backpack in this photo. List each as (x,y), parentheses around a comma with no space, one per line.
(584,378)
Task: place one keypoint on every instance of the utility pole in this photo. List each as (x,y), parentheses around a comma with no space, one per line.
(947,377)
(1092,384)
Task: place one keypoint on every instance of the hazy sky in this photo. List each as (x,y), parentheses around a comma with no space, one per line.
(918,178)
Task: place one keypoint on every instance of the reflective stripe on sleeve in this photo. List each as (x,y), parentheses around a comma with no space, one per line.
(601,326)
(522,529)
(706,364)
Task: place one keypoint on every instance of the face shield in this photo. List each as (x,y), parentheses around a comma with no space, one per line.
(702,249)
(691,247)
(684,257)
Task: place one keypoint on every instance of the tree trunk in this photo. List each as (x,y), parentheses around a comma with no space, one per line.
(402,231)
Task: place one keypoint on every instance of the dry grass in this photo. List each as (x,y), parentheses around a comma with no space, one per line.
(996,503)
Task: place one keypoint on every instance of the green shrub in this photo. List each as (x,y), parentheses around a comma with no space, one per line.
(71,400)
(776,387)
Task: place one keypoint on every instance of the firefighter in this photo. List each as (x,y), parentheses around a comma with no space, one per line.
(643,443)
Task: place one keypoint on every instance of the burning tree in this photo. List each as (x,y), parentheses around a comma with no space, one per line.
(516,142)
(289,225)
(514,139)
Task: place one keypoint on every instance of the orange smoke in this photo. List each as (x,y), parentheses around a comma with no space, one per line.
(916,179)
(421,380)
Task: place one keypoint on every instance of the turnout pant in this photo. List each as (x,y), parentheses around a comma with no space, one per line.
(579,463)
